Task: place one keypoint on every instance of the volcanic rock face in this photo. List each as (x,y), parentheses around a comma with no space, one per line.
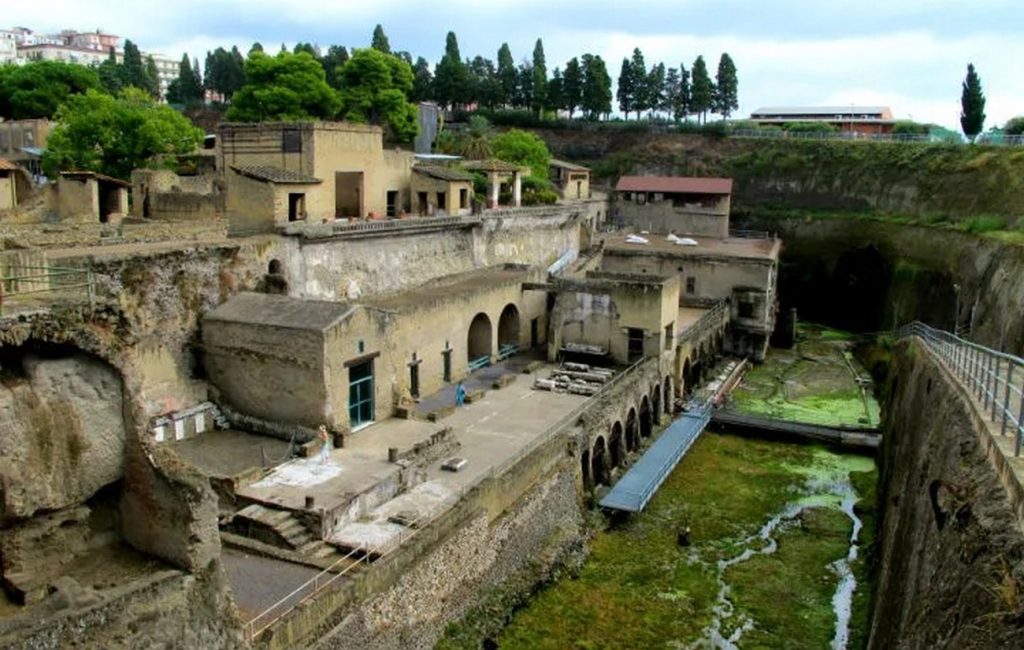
(62,434)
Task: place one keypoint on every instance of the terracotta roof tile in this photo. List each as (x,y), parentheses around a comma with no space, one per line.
(674,185)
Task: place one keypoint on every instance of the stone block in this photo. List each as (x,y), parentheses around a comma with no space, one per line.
(503,381)
(532,367)
(442,412)
(475,395)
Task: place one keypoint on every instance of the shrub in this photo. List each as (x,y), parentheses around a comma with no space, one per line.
(811,127)
(979,225)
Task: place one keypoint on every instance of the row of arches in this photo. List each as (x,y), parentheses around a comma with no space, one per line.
(626,436)
(480,339)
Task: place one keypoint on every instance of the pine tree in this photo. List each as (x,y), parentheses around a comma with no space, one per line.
(681,108)
(540,78)
(422,81)
(380,40)
(507,74)
(555,94)
(627,88)
(152,78)
(134,67)
(671,96)
(655,86)
(641,83)
(111,74)
(451,78)
(702,91)
(727,87)
(972,104)
(335,57)
(572,85)
(597,87)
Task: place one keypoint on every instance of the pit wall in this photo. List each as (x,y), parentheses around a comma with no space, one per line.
(951,572)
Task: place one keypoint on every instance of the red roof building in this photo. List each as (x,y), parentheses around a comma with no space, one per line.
(674,204)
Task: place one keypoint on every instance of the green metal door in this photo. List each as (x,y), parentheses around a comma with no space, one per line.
(360,394)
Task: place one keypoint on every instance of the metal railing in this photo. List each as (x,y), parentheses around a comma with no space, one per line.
(706,322)
(29,280)
(995,379)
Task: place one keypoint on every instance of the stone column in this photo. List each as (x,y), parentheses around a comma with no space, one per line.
(495,185)
(517,189)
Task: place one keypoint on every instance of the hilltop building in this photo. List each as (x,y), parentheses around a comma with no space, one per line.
(862,120)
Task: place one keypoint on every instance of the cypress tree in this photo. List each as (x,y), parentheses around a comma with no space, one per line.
(627,88)
(702,91)
(972,104)
(540,78)
(727,93)
(572,85)
(641,82)
(507,74)
(380,40)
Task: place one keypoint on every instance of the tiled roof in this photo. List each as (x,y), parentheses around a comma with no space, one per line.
(442,173)
(7,165)
(491,165)
(674,185)
(273,174)
(79,175)
(555,162)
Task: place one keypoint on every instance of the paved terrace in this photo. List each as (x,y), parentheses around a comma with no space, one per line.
(731,247)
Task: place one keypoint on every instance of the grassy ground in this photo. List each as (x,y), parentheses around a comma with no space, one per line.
(639,589)
(811,383)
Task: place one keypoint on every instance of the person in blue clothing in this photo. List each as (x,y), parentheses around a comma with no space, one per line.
(460,394)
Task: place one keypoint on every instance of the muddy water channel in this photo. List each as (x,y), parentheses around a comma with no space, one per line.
(780,544)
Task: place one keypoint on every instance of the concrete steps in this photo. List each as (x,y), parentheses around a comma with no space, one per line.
(280,528)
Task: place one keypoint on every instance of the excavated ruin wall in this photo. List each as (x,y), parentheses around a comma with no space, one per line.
(951,546)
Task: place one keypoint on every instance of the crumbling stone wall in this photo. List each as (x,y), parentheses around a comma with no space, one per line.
(952,551)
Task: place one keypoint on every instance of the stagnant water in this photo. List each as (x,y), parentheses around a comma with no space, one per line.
(828,485)
(774,537)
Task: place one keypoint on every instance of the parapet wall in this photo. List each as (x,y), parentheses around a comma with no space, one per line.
(951,546)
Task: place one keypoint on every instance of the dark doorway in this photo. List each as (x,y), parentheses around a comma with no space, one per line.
(446,358)
(646,425)
(441,204)
(479,342)
(414,377)
(421,198)
(635,347)
(110,200)
(392,203)
(598,463)
(463,199)
(632,437)
(508,327)
(534,332)
(585,468)
(296,206)
(360,394)
(348,194)
(615,444)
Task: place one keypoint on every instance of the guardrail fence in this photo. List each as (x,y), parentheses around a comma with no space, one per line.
(996,379)
(30,280)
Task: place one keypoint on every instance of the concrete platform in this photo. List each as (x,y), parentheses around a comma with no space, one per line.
(490,431)
(227,453)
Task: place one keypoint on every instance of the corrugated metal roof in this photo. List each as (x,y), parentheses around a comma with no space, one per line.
(555,162)
(443,173)
(273,174)
(281,311)
(828,111)
(674,185)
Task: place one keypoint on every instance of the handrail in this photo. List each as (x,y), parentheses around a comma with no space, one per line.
(995,378)
(53,279)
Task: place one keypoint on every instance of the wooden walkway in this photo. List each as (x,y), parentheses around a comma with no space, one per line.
(863,438)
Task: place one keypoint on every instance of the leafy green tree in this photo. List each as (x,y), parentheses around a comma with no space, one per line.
(540,78)
(380,40)
(626,93)
(572,86)
(134,66)
(972,104)
(702,91)
(524,89)
(669,98)
(487,89)
(726,87)
(523,148)
(332,60)
(477,143)
(1014,126)
(308,48)
(422,81)
(255,47)
(374,89)
(152,78)
(111,73)
(507,74)
(284,87)
(37,89)
(451,78)
(113,136)
(597,87)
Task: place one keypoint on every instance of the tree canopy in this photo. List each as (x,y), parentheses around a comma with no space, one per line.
(37,89)
(702,90)
(451,78)
(540,77)
(380,40)
(188,87)
(285,87)
(972,104)
(1014,126)
(726,87)
(374,89)
(113,135)
(523,148)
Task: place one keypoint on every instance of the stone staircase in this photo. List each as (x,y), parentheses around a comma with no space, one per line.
(280,528)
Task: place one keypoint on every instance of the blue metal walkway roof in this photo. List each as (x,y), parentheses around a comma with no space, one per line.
(639,484)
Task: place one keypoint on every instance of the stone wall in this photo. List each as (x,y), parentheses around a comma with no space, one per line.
(952,551)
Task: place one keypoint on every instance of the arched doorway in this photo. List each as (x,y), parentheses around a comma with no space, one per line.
(646,426)
(479,342)
(632,434)
(598,462)
(656,403)
(508,330)
(667,390)
(687,377)
(616,451)
(585,468)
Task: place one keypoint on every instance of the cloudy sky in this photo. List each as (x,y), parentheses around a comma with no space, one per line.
(908,54)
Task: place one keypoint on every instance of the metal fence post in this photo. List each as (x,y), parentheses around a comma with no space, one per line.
(1020,421)
(984,381)
(1006,397)
(995,388)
